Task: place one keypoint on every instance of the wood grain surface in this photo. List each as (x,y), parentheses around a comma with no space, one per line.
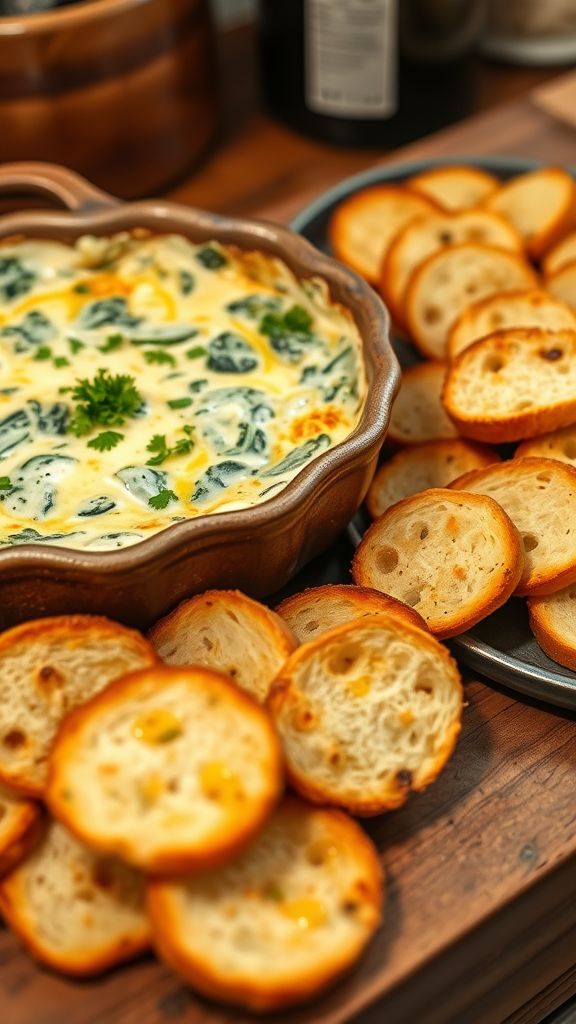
(480,922)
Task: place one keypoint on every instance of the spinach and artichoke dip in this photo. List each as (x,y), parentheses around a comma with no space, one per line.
(146,380)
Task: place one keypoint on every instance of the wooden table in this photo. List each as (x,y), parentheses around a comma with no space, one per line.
(480,921)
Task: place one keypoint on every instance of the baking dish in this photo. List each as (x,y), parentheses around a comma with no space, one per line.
(256,549)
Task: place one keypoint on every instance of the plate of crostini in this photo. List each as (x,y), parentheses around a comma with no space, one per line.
(477,266)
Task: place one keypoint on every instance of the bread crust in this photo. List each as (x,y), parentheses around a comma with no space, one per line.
(482,182)
(360,204)
(560,254)
(420,392)
(502,346)
(550,231)
(428,452)
(534,580)
(518,274)
(70,632)
(366,600)
(536,296)
(20,835)
(503,585)
(284,697)
(268,991)
(224,841)
(557,644)
(559,445)
(562,284)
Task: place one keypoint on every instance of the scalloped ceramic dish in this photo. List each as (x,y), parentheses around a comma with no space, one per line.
(257,549)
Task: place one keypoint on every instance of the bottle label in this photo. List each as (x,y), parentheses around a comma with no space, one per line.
(351,57)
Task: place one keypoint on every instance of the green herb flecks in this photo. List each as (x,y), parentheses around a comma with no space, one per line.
(106,441)
(162,451)
(179,403)
(289,333)
(162,499)
(196,352)
(5,483)
(75,345)
(106,401)
(186,282)
(43,353)
(211,258)
(113,341)
(157,356)
(60,361)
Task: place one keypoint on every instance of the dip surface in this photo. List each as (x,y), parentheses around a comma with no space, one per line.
(145,380)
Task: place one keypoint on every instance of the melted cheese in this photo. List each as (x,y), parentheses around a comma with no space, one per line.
(191,325)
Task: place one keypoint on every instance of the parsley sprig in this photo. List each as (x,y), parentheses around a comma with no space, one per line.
(106,401)
(106,441)
(162,451)
(162,499)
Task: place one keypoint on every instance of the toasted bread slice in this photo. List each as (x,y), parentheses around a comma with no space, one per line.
(432,232)
(319,609)
(228,631)
(561,254)
(560,445)
(539,495)
(172,769)
(534,308)
(455,562)
(418,414)
(454,186)
(362,227)
(367,713)
(20,828)
(540,204)
(562,284)
(513,385)
(432,464)
(446,282)
(553,623)
(74,910)
(47,667)
(283,922)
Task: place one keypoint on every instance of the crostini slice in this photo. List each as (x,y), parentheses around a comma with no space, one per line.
(535,308)
(367,713)
(541,205)
(559,444)
(513,385)
(561,254)
(454,561)
(319,609)
(362,226)
(418,414)
(446,282)
(172,769)
(74,910)
(562,284)
(455,186)
(20,827)
(553,623)
(47,667)
(431,464)
(284,921)
(227,631)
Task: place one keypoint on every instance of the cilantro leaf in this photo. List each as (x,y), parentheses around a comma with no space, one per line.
(156,355)
(105,401)
(5,483)
(105,441)
(43,352)
(179,403)
(113,341)
(160,448)
(75,345)
(162,499)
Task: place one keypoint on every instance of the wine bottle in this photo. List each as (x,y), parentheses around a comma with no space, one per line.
(368,72)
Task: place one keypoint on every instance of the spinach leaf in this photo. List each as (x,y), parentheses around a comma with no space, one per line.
(143,482)
(33,491)
(216,478)
(229,353)
(211,257)
(289,333)
(338,375)
(15,429)
(15,278)
(230,419)
(186,282)
(299,456)
(103,312)
(254,306)
(250,439)
(162,334)
(50,419)
(33,329)
(96,506)
(113,540)
(31,536)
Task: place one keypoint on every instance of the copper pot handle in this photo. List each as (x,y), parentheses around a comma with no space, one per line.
(70,190)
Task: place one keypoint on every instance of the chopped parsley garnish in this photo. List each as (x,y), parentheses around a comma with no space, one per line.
(106,441)
(106,401)
(162,451)
(5,483)
(42,353)
(179,403)
(211,258)
(162,499)
(295,319)
(113,341)
(61,361)
(194,353)
(156,355)
(75,345)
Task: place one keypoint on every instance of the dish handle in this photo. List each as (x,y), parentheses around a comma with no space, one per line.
(68,188)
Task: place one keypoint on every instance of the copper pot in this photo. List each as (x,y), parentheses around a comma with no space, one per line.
(257,549)
(125,91)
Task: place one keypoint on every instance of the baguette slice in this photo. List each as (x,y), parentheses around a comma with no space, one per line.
(427,235)
(560,445)
(20,828)
(539,495)
(319,609)
(74,910)
(446,282)
(227,631)
(562,284)
(418,414)
(511,309)
(455,187)
(367,713)
(284,921)
(455,561)
(172,769)
(553,623)
(513,385)
(540,204)
(432,464)
(362,227)
(47,667)
(561,254)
